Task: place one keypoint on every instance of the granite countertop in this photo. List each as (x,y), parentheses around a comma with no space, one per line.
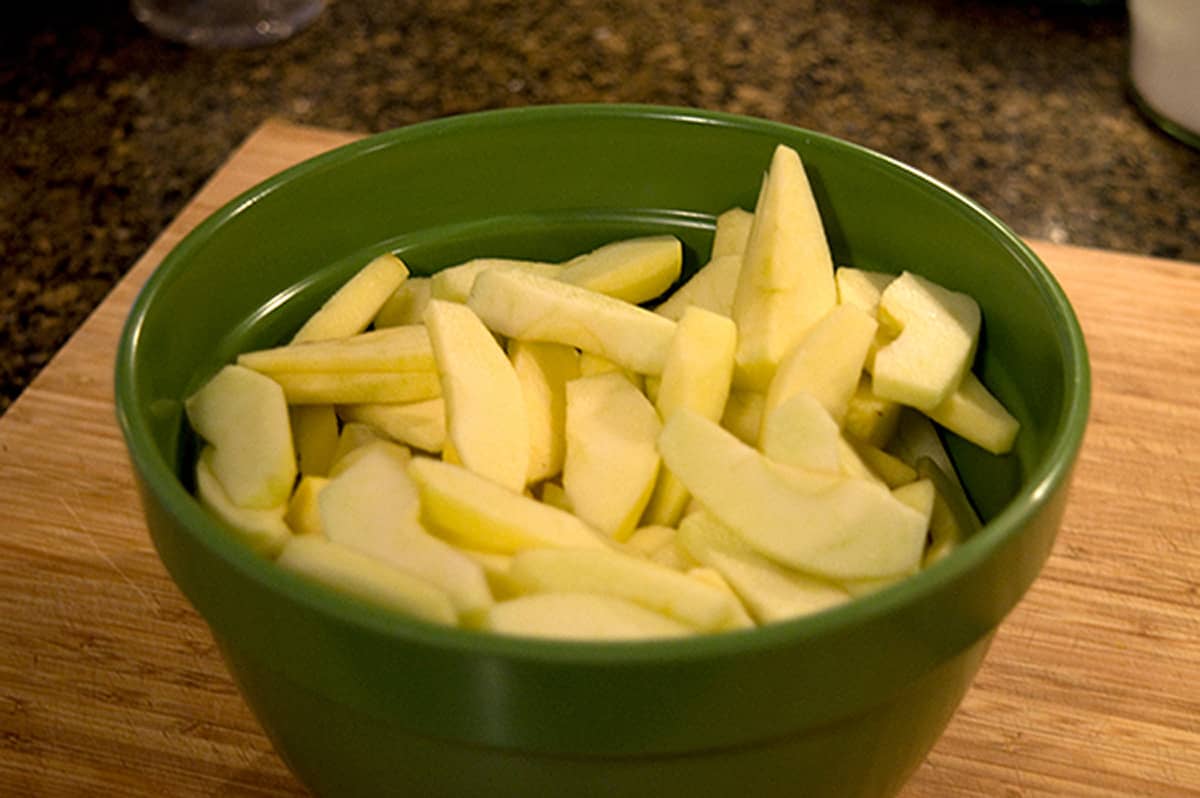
(108,130)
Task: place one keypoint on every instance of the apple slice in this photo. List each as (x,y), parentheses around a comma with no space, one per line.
(709,576)
(975,414)
(869,418)
(611,462)
(391,349)
(262,530)
(356,387)
(418,424)
(786,282)
(635,269)
(938,330)
(351,308)
(612,573)
(367,579)
(731,233)
(476,513)
(861,288)
(952,519)
(710,288)
(697,375)
(770,591)
(743,415)
(304,509)
(579,616)
(244,416)
(846,529)
(534,308)
(485,407)
(353,437)
(826,363)
(372,506)
(314,436)
(801,433)
(543,370)
(453,283)
(406,305)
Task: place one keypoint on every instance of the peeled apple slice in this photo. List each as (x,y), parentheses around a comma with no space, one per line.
(262,530)
(847,529)
(579,616)
(244,416)
(635,269)
(356,303)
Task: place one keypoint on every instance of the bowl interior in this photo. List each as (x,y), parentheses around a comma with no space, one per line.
(548,183)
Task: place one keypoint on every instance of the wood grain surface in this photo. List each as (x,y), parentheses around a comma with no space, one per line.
(110,683)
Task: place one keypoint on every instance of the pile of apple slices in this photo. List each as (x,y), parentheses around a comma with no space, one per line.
(527,448)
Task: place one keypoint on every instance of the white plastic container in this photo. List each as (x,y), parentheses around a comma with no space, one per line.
(1164,66)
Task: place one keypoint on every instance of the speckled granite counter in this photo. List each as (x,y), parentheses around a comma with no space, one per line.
(107,130)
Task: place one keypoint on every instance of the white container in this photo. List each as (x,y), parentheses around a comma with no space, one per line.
(1164,63)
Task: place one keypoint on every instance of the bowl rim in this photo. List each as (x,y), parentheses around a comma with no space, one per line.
(1042,482)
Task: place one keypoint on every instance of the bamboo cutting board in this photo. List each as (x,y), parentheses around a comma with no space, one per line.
(111,684)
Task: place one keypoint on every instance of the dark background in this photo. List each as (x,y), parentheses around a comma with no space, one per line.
(106,130)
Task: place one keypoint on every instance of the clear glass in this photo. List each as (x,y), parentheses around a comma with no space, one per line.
(226,23)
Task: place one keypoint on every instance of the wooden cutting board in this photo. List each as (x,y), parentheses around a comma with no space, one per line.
(110,683)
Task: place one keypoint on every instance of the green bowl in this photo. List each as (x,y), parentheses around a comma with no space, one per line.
(361,702)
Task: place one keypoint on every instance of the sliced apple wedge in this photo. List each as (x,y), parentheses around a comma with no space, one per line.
(801,433)
(372,506)
(356,387)
(262,530)
(972,412)
(453,284)
(826,363)
(304,509)
(786,281)
(473,512)
(244,416)
(848,529)
(534,308)
(579,616)
(356,303)
(938,330)
(391,349)
(479,387)
(770,591)
(861,288)
(418,424)
(635,269)
(406,305)
(611,462)
(743,415)
(367,579)
(869,418)
(731,233)
(314,436)
(710,288)
(624,576)
(544,371)
(697,375)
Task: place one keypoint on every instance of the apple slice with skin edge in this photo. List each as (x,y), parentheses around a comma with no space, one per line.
(526,306)
(365,578)
(786,281)
(475,513)
(485,408)
(620,575)
(847,529)
(611,462)
(352,307)
(372,507)
(244,416)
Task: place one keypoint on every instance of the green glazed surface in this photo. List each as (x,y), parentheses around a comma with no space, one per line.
(361,702)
